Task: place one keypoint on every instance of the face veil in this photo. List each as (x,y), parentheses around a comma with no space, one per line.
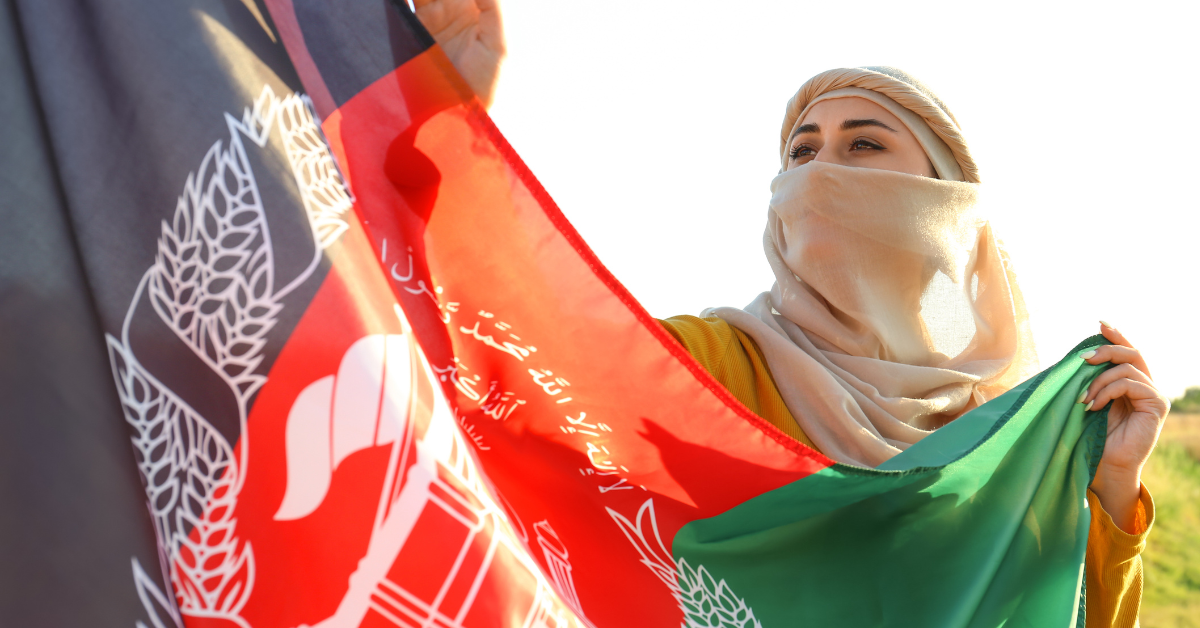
(894,308)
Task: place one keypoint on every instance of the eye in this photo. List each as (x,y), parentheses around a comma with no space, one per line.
(801,150)
(865,144)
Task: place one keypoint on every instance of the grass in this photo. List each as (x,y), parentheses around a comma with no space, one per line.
(1172,559)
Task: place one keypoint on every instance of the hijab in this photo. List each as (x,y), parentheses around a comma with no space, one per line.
(895,308)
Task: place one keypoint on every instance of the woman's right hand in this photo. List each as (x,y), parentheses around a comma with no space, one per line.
(471,33)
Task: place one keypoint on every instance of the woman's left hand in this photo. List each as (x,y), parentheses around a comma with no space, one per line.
(1134,422)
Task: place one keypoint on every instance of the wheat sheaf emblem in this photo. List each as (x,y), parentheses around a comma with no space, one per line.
(705,601)
(214,284)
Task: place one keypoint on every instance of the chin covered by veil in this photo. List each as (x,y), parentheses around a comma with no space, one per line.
(895,309)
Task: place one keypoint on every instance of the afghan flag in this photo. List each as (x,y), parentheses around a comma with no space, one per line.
(370,376)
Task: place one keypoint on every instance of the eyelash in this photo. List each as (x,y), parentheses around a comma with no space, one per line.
(868,143)
(795,152)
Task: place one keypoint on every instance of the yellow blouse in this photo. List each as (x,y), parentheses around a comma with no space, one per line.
(1114,561)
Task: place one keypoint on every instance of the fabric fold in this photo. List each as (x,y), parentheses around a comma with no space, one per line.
(894,309)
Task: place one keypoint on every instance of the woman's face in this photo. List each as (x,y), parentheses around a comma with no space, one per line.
(857,132)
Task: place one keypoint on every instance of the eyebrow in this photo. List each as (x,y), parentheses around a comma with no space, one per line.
(855,124)
(846,126)
(805,128)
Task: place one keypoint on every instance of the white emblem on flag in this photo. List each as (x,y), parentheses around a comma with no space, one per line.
(213,284)
(705,602)
(440,500)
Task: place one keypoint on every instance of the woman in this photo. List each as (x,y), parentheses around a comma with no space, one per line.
(894,309)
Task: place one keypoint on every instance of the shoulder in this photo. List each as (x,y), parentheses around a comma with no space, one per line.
(708,339)
(695,331)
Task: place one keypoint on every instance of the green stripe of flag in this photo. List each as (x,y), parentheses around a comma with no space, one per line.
(982,523)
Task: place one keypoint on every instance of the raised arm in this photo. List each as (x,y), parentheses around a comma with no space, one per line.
(472,34)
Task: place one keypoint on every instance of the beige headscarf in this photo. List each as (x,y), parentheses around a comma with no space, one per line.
(894,308)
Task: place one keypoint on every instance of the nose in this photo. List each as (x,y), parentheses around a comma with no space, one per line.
(830,156)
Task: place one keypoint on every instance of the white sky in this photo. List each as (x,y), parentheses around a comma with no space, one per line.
(655,127)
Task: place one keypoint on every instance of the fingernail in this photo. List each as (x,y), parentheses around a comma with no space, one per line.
(1107,324)
(1089,405)
(1082,396)
(1089,355)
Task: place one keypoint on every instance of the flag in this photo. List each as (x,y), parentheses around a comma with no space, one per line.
(294,338)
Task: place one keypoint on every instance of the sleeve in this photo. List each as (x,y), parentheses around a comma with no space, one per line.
(737,363)
(1114,565)
(707,339)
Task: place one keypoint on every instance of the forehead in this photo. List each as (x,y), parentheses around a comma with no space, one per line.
(828,114)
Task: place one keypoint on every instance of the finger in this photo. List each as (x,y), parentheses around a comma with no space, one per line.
(1117,354)
(444,19)
(1114,336)
(433,14)
(491,26)
(1133,390)
(1124,371)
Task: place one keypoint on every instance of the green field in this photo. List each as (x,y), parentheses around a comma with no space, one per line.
(1172,558)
